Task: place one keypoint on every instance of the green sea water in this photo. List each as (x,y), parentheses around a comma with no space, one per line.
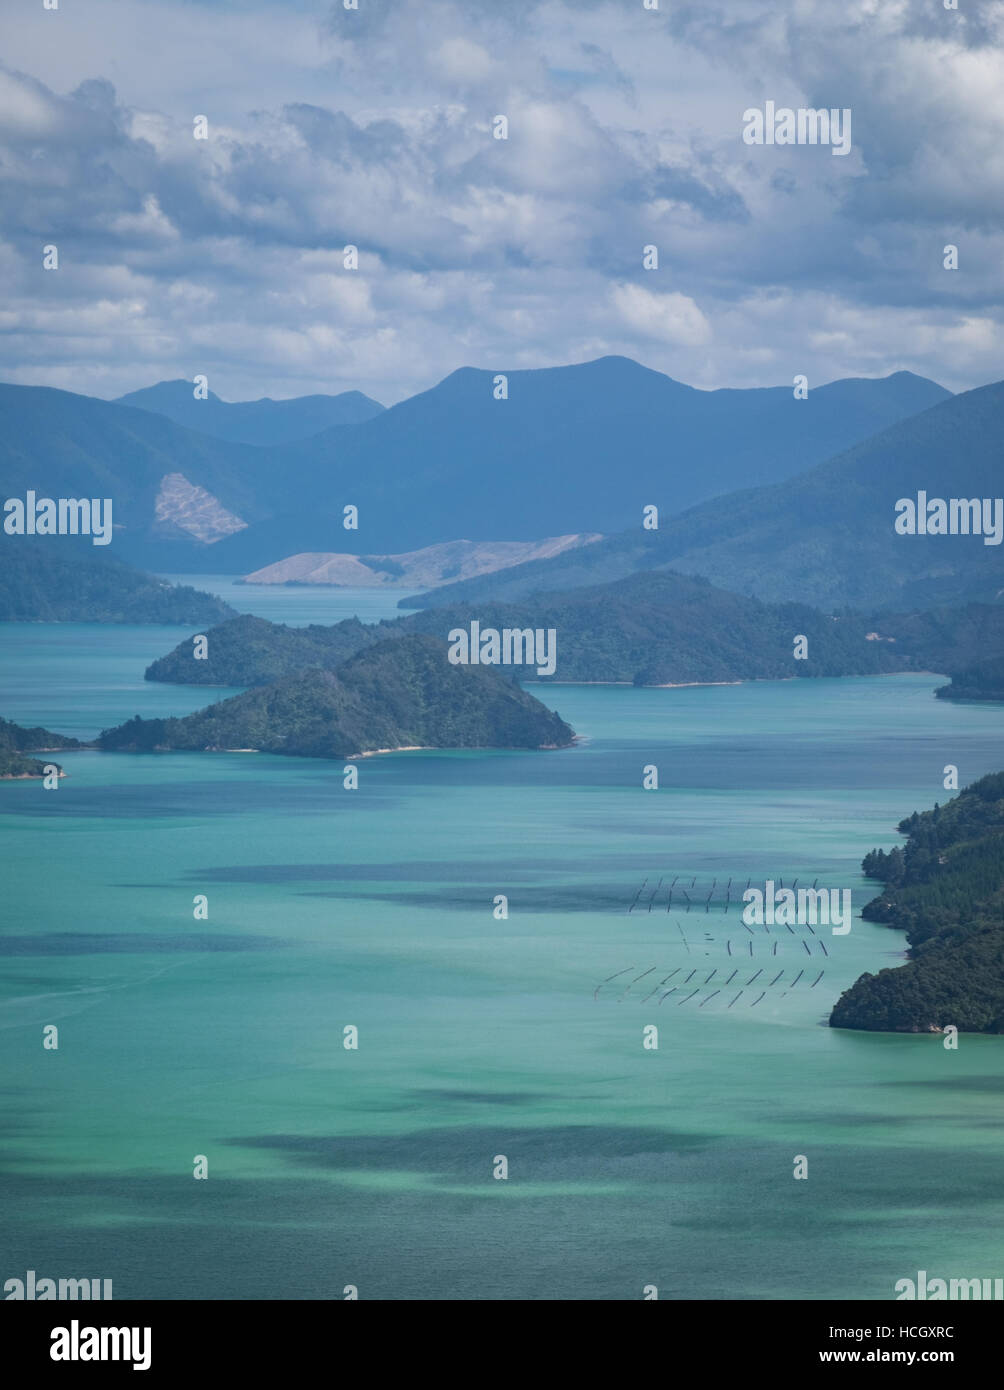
(478,1037)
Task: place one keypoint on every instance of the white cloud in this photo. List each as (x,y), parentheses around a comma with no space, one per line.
(373,127)
(671,317)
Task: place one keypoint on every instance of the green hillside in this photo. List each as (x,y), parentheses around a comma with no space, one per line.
(945,889)
(55,579)
(253,651)
(16,742)
(401,693)
(658,628)
(982,681)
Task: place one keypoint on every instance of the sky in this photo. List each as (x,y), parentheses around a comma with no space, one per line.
(373,127)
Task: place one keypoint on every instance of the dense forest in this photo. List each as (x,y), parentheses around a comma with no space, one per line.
(16,742)
(61,580)
(945,889)
(400,693)
(252,651)
(983,681)
(663,628)
(648,629)
(657,628)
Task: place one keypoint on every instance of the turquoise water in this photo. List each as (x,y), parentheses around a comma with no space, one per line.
(295,604)
(477,1037)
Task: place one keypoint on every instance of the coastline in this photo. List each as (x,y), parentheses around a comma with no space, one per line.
(27,776)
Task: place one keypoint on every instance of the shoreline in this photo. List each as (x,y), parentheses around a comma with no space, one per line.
(404,748)
(28,776)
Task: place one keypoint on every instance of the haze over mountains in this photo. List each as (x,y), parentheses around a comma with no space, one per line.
(573,449)
(252,422)
(580,448)
(64,445)
(824,538)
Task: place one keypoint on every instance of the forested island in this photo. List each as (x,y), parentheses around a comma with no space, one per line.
(16,743)
(400,693)
(657,628)
(945,889)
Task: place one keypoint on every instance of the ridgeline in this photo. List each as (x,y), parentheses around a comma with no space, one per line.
(657,628)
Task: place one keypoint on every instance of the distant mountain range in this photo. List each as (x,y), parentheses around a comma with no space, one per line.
(826,537)
(579,448)
(572,449)
(252,422)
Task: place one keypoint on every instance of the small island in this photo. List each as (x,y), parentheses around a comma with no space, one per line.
(16,742)
(945,889)
(397,694)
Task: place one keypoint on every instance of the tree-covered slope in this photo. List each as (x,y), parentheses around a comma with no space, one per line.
(61,444)
(984,680)
(665,628)
(398,693)
(945,889)
(56,579)
(658,628)
(253,651)
(16,742)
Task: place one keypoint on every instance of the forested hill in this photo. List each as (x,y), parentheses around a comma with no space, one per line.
(396,694)
(16,742)
(658,628)
(57,579)
(982,681)
(945,889)
(253,651)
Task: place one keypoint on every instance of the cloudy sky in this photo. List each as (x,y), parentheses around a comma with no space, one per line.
(373,127)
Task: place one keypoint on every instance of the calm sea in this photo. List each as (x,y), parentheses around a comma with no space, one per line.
(478,1038)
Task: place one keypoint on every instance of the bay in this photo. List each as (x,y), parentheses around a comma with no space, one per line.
(478,1037)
